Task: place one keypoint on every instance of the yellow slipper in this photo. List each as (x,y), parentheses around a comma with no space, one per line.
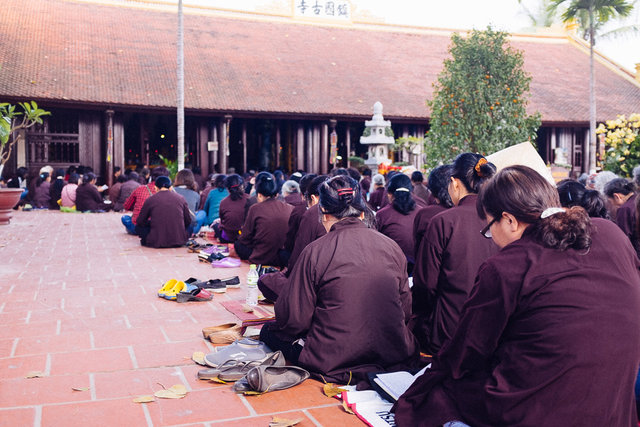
(167,287)
(178,287)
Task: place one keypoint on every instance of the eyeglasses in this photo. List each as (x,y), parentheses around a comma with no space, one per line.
(486,232)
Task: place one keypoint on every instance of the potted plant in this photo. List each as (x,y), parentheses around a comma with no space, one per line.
(11,121)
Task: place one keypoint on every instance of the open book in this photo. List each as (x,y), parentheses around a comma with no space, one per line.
(396,383)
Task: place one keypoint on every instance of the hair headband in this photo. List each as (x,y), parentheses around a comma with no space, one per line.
(478,166)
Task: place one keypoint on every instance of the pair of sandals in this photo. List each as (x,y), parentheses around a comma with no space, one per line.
(184,291)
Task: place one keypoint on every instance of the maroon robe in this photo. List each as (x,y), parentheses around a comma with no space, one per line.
(265,230)
(88,198)
(626,220)
(348,295)
(167,214)
(232,215)
(399,228)
(310,230)
(446,265)
(422,220)
(547,338)
(295,199)
(293,225)
(421,192)
(378,199)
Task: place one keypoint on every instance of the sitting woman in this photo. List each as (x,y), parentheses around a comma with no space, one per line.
(396,219)
(55,191)
(233,210)
(345,310)
(41,195)
(572,193)
(621,194)
(215,196)
(550,334)
(186,186)
(265,228)
(68,195)
(88,198)
(438,184)
(164,220)
(449,256)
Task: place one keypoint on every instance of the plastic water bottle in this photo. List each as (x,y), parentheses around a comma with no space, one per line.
(252,286)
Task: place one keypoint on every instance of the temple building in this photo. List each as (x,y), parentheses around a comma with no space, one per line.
(261,90)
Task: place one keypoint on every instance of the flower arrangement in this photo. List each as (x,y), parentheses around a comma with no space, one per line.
(622,144)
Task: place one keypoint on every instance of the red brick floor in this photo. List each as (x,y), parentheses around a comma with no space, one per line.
(79,306)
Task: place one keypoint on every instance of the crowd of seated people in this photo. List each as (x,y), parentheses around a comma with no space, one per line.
(524,295)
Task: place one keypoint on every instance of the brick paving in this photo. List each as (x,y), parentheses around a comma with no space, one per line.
(79,306)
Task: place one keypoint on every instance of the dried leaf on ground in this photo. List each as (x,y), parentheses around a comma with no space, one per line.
(253,393)
(247,308)
(35,374)
(144,399)
(177,391)
(346,408)
(79,388)
(331,389)
(217,380)
(284,422)
(198,357)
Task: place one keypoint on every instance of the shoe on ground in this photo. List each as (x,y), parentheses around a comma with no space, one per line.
(242,350)
(237,372)
(220,328)
(193,293)
(167,287)
(271,378)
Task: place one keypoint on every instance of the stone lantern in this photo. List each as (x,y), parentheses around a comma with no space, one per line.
(378,136)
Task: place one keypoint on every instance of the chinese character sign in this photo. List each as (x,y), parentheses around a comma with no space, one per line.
(325,9)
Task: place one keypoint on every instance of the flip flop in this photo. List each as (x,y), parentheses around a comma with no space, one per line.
(169,284)
(229,282)
(193,294)
(227,263)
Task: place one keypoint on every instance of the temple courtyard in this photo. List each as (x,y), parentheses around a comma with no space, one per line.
(85,333)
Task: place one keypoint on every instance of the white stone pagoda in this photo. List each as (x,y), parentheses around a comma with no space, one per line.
(375,136)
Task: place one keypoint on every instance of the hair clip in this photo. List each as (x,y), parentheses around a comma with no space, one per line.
(551,211)
(403,189)
(478,166)
(343,191)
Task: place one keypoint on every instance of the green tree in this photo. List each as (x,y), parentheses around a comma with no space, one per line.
(480,99)
(595,12)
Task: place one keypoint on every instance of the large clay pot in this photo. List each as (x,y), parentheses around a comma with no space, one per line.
(9,197)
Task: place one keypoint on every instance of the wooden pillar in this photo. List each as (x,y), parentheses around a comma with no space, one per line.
(348,143)
(278,136)
(308,149)
(118,142)
(202,139)
(109,151)
(213,155)
(223,144)
(244,147)
(324,148)
(300,148)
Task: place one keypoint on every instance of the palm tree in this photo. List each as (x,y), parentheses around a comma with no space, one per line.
(597,12)
(180,94)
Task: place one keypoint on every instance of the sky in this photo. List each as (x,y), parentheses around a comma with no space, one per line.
(505,15)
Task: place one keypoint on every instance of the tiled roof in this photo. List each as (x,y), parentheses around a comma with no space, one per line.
(115,55)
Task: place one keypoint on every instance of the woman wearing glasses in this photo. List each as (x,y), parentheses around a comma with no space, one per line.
(550,334)
(449,255)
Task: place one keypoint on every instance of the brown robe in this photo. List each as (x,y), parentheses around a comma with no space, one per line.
(547,338)
(378,199)
(265,230)
(422,220)
(167,214)
(295,199)
(88,198)
(422,192)
(310,230)
(348,295)
(293,225)
(399,228)
(232,215)
(446,265)
(626,220)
